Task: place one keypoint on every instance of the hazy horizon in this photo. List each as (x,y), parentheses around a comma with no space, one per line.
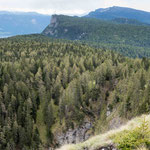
(66,7)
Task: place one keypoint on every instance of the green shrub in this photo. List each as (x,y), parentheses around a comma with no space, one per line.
(135,138)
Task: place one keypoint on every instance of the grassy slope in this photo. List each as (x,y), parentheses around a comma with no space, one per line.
(114,136)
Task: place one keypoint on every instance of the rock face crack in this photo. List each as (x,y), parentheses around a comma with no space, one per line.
(51,29)
(73,136)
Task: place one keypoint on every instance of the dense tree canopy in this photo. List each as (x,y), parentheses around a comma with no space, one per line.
(45,84)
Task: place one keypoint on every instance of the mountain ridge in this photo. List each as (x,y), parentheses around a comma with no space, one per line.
(120,12)
(101,33)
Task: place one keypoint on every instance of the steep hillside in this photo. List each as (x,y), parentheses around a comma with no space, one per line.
(130,40)
(76,28)
(134,135)
(17,23)
(120,12)
(55,92)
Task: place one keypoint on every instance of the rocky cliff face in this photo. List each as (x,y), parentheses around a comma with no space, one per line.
(65,27)
(51,28)
(76,135)
(83,133)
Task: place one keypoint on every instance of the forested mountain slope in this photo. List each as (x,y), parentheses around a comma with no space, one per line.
(51,91)
(130,40)
(111,13)
(128,21)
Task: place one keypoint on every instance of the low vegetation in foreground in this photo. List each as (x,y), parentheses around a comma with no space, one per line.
(134,135)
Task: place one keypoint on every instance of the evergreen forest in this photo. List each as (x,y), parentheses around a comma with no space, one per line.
(49,86)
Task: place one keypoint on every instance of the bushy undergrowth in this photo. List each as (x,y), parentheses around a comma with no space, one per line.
(133,139)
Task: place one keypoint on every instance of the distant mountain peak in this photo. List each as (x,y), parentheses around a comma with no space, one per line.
(113,12)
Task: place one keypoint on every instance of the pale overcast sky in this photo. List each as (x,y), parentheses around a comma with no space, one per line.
(69,7)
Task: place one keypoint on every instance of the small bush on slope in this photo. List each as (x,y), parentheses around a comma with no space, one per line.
(133,139)
(134,135)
